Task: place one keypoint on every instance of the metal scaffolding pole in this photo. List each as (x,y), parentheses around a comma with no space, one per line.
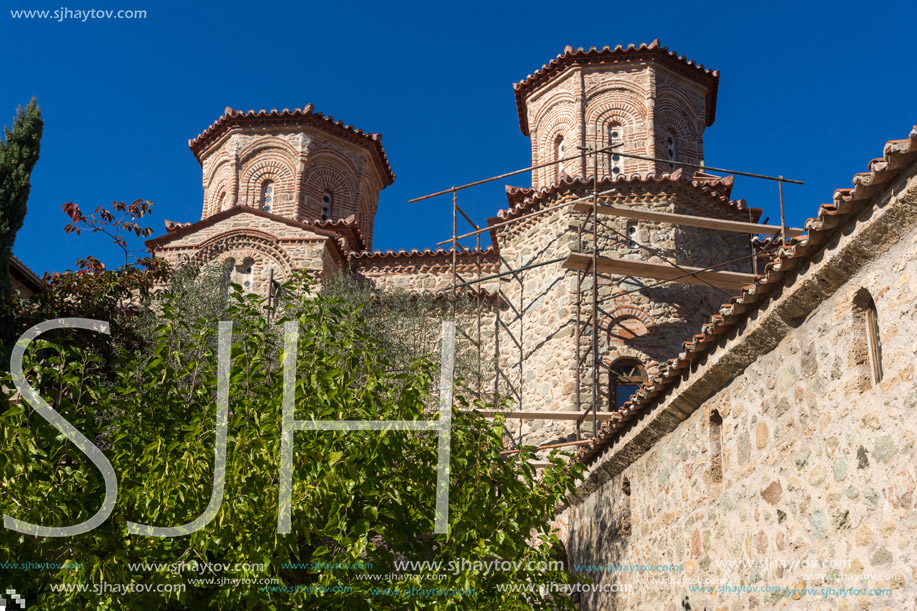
(459,282)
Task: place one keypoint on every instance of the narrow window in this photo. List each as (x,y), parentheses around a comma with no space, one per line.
(242,274)
(670,145)
(625,378)
(267,195)
(716,447)
(632,234)
(866,345)
(221,205)
(873,340)
(614,159)
(558,155)
(327,205)
(625,517)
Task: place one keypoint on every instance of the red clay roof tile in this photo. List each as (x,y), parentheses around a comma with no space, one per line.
(305,116)
(652,52)
(847,203)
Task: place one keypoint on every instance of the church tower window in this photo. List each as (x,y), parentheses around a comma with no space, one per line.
(558,155)
(327,205)
(873,340)
(716,447)
(632,234)
(614,159)
(267,195)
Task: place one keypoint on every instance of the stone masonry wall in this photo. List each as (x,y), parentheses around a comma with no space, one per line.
(261,243)
(538,329)
(809,480)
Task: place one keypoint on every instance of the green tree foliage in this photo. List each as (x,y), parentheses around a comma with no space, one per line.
(358,497)
(18,155)
(123,296)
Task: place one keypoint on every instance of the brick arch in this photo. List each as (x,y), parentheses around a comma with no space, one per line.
(220,166)
(623,101)
(332,158)
(269,162)
(244,243)
(618,317)
(560,125)
(627,111)
(325,175)
(670,115)
(366,210)
(217,187)
(623,352)
(559,103)
(273,145)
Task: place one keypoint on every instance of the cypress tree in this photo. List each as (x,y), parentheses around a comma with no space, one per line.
(18,155)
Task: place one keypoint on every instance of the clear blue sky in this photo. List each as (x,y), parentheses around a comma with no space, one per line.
(808,91)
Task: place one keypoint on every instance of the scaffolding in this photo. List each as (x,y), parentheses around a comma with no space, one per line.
(593,265)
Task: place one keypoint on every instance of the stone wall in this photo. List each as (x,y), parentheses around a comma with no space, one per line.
(478,305)
(262,244)
(801,465)
(648,323)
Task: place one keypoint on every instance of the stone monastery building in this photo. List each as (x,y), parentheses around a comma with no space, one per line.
(782,430)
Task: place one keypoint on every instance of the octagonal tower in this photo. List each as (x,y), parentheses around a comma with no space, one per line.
(298,164)
(648,100)
(655,105)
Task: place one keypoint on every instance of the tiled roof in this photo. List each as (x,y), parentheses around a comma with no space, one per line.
(716,191)
(848,203)
(174,225)
(26,275)
(651,52)
(426,253)
(179,230)
(296,117)
(347,227)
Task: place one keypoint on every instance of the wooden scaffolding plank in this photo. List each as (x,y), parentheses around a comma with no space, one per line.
(659,271)
(706,222)
(540,415)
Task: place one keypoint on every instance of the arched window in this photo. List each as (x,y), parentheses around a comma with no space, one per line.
(626,512)
(558,155)
(221,202)
(615,137)
(327,205)
(874,341)
(671,150)
(243,274)
(716,447)
(624,379)
(267,195)
(631,234)
(866,314)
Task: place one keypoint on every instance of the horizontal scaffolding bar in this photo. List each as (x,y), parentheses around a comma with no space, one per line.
(536,415)
(507,175)
(524,217)
(510,272)
(687,219)
(704,168)
(551,446)
(659,271)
